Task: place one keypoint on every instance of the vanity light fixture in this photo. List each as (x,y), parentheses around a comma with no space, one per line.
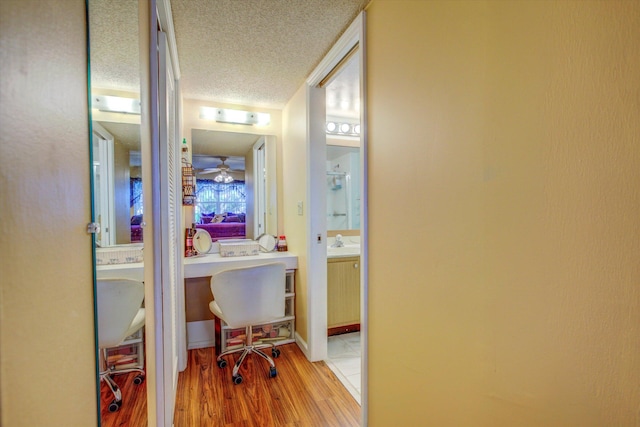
(116,104)
(226,115)
(344,129)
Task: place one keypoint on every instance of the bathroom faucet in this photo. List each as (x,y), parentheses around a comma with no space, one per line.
(338,243)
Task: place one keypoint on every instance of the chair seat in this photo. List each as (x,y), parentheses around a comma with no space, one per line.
(215,309)
(137,322)
(119,316)
(247,297)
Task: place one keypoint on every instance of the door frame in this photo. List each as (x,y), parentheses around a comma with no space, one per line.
(260,187)
(107,212)
(154,15)
(317,262)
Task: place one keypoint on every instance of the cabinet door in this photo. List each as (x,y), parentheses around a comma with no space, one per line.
(343,292)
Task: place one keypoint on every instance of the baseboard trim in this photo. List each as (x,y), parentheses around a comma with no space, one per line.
(200,334)
(303,345)
(343,329)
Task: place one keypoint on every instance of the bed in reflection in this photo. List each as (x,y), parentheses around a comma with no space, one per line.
(223,226)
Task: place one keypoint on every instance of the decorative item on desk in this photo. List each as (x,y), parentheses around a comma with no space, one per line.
(119,254)
(189,234)
(202,242)
(188,177)
(267,242)
(188,185)
(238,247)
(282,244)
(185,151)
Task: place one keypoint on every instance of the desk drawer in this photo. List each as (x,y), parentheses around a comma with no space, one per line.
(128,355)
(277,332)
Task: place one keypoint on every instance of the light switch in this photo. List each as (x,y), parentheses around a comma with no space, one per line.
(300,208)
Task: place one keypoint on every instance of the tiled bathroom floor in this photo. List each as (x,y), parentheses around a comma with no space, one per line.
(343,353)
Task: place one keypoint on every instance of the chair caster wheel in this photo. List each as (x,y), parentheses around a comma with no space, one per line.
(237,379)
(139,379)
(273,372)
(114,406)
(275,352)
(222,363)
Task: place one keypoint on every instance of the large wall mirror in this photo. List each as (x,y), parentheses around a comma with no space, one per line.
(117,194)
(343,187)
(235,183)
(343,171)
(115,110)
(117,181)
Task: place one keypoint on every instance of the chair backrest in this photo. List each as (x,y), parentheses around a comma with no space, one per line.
(118,303)
(250,295)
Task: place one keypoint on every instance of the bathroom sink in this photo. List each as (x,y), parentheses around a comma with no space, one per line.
(344,251)
(343,246)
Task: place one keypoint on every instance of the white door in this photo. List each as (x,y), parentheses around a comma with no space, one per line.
(103,185)
(170,204)
(352,40)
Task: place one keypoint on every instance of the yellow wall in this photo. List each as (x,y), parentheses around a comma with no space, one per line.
(504,273)
(518,306)
(47,362)
(294,189)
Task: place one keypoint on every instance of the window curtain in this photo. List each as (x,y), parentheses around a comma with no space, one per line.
(135,185)
(219,198)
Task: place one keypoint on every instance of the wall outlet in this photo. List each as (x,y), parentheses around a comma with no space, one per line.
(300,210)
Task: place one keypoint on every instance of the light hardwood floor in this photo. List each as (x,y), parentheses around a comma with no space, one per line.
(303,394)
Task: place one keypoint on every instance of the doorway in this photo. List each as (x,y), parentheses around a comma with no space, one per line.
(349,48)
(343,178)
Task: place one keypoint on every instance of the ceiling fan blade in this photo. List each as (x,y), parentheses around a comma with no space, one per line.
(208,171)
(237,174)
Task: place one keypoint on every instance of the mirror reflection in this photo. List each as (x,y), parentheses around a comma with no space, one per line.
(235,184)
(117,195)
(118,182)
(343,187)
(343,148)
(115,111)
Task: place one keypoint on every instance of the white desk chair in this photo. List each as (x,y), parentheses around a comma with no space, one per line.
(246,297)
(119,315)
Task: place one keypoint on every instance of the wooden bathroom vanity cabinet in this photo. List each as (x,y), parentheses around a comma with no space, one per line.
(343,295)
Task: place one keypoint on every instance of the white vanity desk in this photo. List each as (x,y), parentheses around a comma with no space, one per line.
(197,274)
(207,265)
(201,265)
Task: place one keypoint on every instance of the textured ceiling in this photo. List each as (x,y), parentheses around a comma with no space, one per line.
(249,52)
(114,52)
(255,52)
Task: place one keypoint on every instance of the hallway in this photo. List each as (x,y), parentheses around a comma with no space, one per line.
(303,393)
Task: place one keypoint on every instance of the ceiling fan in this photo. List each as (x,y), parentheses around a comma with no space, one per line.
(224,172)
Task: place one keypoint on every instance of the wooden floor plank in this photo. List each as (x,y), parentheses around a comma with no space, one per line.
(133,412)
(303,394)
